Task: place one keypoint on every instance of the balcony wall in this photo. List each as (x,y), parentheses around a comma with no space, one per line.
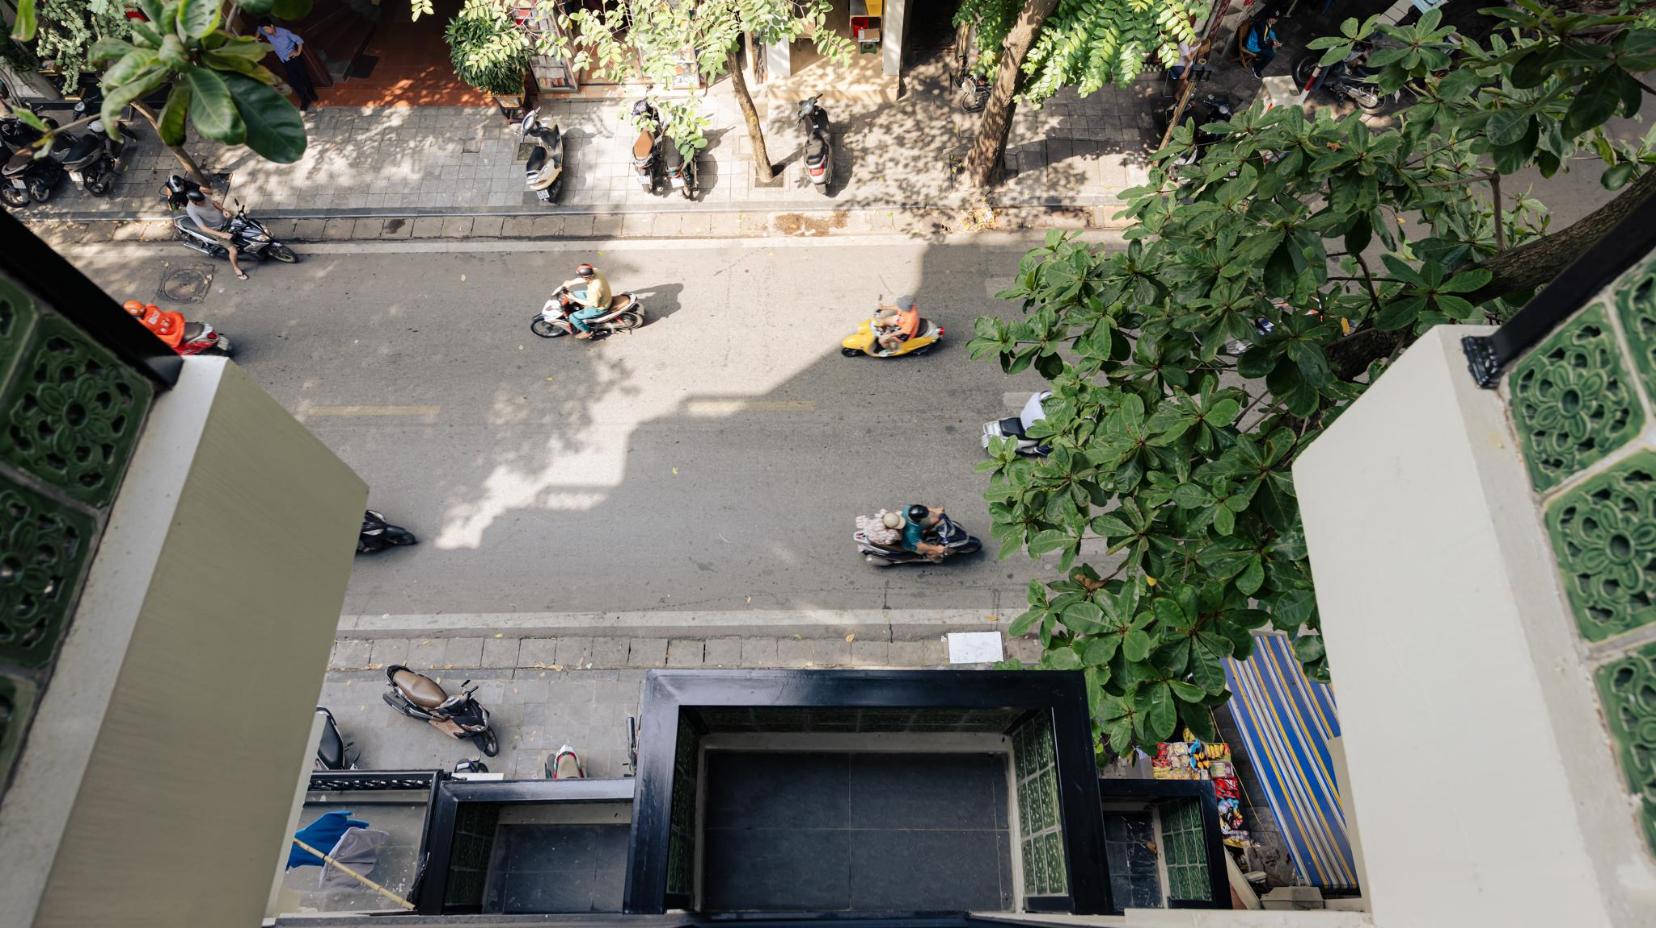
(174,563)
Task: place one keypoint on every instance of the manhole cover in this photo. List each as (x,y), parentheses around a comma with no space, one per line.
(186,284)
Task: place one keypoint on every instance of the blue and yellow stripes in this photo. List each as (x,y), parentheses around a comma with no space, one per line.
(1285,721)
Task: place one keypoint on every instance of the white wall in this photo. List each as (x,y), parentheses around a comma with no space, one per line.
(1480,767)
(155,785)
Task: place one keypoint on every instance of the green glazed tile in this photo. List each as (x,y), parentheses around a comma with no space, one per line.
(72,412)
(17,314)
(1572,401)
(1604,536)
(44,546)
(16,707)
(1636,307)
(1627,688)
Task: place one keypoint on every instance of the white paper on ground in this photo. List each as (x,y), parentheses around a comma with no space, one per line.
(975,647)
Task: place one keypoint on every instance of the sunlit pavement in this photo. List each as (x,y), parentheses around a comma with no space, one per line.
(713,460)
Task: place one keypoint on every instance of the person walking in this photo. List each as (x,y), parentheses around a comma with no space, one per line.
(288,47)
(1262,41)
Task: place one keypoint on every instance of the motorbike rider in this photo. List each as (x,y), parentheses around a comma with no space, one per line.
(208,213)
(592,292)
(918,519)
(896,324)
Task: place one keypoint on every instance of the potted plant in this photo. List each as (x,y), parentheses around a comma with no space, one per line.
(490,50)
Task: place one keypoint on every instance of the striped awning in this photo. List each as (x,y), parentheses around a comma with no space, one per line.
(1285,721)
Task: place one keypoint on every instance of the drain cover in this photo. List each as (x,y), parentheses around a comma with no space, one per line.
(186,284)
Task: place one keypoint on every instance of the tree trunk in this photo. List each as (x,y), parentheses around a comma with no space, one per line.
(990,143)
(1536,262)
(762,166)
(190,167)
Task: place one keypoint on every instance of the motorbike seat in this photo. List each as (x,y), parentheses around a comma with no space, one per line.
(816,149)
(537,159)
(643,146)
(82,149)
(420,689)
(18,164)
(193,331)
(619,302)
(1012,427)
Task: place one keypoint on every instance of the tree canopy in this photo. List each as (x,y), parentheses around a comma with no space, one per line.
(1263,287)
(1083,43)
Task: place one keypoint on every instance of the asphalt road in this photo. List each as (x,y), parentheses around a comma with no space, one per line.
(714,460)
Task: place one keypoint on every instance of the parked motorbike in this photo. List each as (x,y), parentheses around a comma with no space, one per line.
(865,341)
(248,234)
(544,171)
(1344,80)
(1200,110)
(186,338)
(946,533)
(819,143)
(626,312)
(681,171)
(333,752)
(644,147)
(378,534)
(565,765)
(974,93)
(1017,427)
(459,716)
(26,177)
(93,160)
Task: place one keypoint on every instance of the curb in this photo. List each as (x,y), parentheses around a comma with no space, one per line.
(866,624)
(389,226)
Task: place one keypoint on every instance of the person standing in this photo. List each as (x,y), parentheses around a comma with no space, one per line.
(288,47)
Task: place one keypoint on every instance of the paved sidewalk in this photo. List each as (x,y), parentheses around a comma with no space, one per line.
(547,692)
(458,162)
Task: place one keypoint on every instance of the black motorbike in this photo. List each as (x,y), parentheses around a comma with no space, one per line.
(94,159)
(819,143)
(378,534)
(681,171)
(974,93)
(459,716)
(946,533)
(644,162)
(248,234)
(27,177)
(1344,80)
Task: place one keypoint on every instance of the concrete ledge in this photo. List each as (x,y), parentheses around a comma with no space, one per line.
(866,624)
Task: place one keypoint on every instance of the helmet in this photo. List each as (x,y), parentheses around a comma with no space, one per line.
(917,513)
(133,308)
(195,196)
(585,270)
(641,107)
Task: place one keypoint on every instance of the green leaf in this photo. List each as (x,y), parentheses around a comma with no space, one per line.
(1099,651)
(1222,413)
(1293,609)
(1506,127)
(1617,175)
(1160,714)
(1533,67)
(1062,659)
(1251,578)
(104,51)
(1280,272)
(1308,648)
(256,7)
(234,64)
(170,125)
(134,63)
(274,127)
(196,18)
(116,99)
(212,110)
(290,10)
(1187,692)
(23,27)
(1199,719)
(1136,645)
(1593,104)
(243,46)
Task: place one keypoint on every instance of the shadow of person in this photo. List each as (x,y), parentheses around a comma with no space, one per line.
(660,301)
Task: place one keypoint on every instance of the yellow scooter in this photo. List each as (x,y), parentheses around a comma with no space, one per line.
(864,341)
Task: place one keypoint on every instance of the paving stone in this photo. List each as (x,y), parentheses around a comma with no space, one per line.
(870,653)
(487,226)
(396,228)
(426,654)
(280,229)
(759,652)
(609,651)
(529,686)
(308,230)
(428,227)
(350,654)
(685,652)
(647,652)
(1024,650)
(519,226)
(606,226)
(574,226)
(794,652)
(830,652)
(928,653)
(463,652)
(574,652)
(500,652)
(723,652)
(537,652)
(338,230)
(457,227)
(388,651)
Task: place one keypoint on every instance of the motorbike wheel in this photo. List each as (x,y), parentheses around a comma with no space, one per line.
(397,704)
(628,321)
(920,351)
(40,191)
(486,742)
(222,348)
(1365,98)
(100,185)
(283,254)
(851,352)
(970,547)
(546,329)
(13,197)
(1303,68)
(400,536)
(689,190)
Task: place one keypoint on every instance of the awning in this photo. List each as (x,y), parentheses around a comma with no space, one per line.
(1285,722)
